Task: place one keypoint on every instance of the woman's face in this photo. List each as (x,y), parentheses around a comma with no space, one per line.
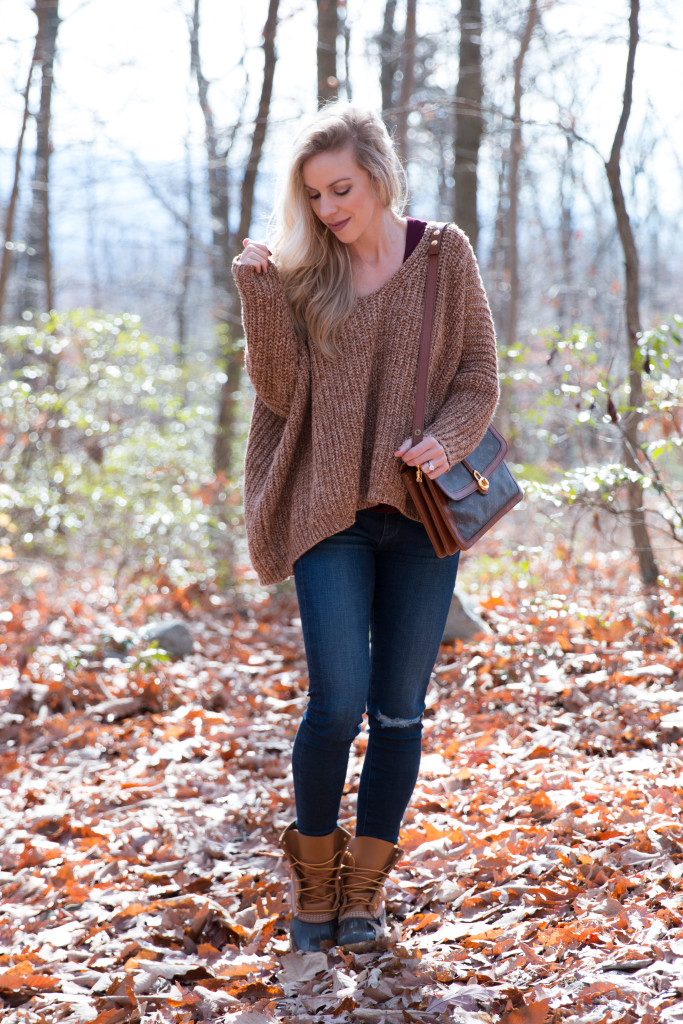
(341,193)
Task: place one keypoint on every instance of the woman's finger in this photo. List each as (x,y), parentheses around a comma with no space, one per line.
(255,255)
(428,454)
(435,466)
(411,454)
(427,448)
(259,247)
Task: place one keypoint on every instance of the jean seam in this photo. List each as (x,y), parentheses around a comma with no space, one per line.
(360,826)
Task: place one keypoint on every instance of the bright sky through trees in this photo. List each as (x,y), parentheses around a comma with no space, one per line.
(122,75)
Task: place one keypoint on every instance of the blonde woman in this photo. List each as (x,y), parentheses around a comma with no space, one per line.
(332,313)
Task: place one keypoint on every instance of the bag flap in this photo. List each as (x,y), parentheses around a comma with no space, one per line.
(458,482)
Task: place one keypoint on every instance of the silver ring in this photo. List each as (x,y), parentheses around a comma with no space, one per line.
(430,466)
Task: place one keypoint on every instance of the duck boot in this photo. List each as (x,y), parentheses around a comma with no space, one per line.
(362,917)
(315,886)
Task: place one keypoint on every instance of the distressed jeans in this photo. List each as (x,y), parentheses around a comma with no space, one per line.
(373,601)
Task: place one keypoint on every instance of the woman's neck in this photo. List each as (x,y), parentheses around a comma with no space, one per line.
(381,243)
(378,253)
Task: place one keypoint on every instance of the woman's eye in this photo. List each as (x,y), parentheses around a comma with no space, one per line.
(312,197)
(344,193)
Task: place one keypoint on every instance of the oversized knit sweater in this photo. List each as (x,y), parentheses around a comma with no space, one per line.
(324,431)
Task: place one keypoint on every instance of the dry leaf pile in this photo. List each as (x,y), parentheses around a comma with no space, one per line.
(141,803)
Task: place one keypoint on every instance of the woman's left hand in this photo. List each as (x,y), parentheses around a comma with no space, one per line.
(428,454)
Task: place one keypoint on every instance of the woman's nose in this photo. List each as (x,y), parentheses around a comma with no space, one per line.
(327,205)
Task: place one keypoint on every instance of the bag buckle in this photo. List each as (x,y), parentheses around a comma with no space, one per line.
(418,474)
(482,482)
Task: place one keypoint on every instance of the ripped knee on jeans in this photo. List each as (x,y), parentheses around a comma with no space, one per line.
(395,723)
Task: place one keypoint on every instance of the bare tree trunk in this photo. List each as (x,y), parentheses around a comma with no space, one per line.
(506,297)
(564,309)
(260,128)
(226,304)
(469,123)
(221,255)
(187,269)
(407,82)
(6,261)
(328,30)
(232,358)
(388,62)
(38,289)
(346,33)
(90,190)
(631,421)
(513,176)
(497,257)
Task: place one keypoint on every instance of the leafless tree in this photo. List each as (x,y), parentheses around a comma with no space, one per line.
(346,33)
(505,254)
(631,421)
(225,244)
(407,81)
(38,287)
(328,32)
(516,144)
(389,62)
(8,247)
(225,433)
(469,123)
(217,176)
(187,268)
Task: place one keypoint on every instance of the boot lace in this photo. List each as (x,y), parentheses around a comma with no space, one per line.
(361,885)
(318,882)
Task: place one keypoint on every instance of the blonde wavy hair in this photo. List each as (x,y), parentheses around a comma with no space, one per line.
(314,265)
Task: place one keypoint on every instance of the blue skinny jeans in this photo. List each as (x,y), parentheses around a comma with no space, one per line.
(373,601)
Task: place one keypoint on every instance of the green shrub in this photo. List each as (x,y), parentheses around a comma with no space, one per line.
(106,446)
(582,403)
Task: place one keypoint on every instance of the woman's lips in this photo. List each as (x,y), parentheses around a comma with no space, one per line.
(339,225)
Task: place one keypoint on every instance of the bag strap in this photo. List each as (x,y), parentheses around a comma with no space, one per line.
(426,337)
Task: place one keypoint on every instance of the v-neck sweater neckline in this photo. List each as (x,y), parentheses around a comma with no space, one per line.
(413,259)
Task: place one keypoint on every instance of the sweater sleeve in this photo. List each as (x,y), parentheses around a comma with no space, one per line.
(272,357)
(461,422)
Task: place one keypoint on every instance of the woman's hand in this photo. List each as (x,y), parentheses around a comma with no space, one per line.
(428,454)
(255,255)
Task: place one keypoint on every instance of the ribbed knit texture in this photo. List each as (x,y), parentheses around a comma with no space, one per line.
(323,432)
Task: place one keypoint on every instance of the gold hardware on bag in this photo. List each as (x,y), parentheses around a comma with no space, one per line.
(418,474)
(482,482)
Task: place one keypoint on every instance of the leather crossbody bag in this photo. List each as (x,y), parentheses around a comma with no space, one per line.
(462,504)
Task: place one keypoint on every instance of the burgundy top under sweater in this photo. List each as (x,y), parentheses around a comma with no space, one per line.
(324,431)
(414,232)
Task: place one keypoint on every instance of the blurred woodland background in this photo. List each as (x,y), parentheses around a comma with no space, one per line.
(140,143)
(143,784)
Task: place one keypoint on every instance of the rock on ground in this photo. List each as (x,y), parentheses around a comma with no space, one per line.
(464,620)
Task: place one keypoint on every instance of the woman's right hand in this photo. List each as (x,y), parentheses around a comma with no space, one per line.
(255,255)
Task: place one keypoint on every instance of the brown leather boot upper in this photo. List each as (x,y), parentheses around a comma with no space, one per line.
(315,863)
(365,866)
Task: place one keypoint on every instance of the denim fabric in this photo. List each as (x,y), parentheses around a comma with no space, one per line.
(373,601)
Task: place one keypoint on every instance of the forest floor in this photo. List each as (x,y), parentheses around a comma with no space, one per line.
(142,799)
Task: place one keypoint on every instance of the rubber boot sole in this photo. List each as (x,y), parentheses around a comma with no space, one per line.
(359,935)
(305,937)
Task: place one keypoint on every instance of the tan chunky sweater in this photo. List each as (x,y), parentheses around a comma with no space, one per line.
(323,432)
